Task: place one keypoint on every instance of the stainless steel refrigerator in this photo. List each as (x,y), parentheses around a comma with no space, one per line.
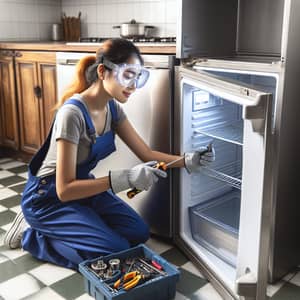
(237,87)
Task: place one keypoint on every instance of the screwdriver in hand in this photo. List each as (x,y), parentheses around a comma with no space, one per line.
(162,166)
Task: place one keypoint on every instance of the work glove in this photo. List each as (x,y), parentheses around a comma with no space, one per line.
(140,177)
(202,157)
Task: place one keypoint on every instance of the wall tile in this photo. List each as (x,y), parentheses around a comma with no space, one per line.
(23,20)
(160,13)
(32,19)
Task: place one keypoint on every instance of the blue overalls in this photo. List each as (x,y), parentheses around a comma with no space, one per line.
(68,233)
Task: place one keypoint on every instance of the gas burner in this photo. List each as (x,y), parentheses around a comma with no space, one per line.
(134,39)
(92,40)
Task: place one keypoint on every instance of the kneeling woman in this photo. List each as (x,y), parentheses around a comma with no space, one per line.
(71,216)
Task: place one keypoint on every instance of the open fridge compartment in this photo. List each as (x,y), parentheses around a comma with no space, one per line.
(215,225)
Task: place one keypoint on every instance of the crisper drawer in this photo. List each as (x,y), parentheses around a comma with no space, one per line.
(215,225)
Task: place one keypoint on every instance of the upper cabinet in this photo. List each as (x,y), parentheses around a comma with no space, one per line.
(36,86)
(218,28)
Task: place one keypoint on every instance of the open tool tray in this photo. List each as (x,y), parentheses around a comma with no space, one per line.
(215,225)
(162,287)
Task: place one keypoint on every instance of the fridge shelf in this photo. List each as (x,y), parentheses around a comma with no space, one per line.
(232,132)
(234,169)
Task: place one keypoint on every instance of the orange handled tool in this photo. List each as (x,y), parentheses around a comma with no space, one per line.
(160,165)
(130,280)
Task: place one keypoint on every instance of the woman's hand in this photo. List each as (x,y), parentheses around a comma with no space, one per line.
(202,157)
(141,177)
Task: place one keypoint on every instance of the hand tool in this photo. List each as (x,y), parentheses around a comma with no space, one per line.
(152,268)
(114,264)
(130,280)
(99,266)
(156,265)
(208,149)
(162,166)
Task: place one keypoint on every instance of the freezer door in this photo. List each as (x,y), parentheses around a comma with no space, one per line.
(206,28)
(205,94)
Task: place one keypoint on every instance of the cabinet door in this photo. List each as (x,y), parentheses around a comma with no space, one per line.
(8,107)
(47,83)
(28,104)
(36,79)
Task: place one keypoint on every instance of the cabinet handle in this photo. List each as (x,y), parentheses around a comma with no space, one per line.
(37,91)
(18,54)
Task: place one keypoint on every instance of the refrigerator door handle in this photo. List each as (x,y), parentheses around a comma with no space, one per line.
(257,113)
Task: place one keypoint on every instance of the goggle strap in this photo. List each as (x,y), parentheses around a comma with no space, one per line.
(109,64)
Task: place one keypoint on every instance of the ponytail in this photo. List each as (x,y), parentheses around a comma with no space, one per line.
(80,82)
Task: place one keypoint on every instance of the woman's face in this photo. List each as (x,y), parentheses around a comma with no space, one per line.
(114,88)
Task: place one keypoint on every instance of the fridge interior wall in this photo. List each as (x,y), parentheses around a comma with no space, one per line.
(210,206)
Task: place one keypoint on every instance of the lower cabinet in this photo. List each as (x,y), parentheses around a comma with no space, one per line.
(9,133)
(36,89)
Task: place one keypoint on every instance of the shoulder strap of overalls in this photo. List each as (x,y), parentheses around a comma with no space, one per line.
(90,127)
(113,110)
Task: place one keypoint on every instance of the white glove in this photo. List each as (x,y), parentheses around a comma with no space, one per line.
(140,177)
(202,157)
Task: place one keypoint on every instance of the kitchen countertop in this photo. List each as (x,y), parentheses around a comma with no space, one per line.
(151,48)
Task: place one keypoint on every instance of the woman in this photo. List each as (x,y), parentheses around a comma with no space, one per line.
(70,215)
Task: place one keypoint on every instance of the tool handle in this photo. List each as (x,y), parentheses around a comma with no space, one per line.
(132,193)
(135,191)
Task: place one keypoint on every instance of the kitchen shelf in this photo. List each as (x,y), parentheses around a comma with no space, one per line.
(231,174)
(232,132)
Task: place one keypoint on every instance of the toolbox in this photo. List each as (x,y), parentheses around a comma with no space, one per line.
(161,287)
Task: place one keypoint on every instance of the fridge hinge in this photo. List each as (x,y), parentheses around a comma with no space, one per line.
(246,286)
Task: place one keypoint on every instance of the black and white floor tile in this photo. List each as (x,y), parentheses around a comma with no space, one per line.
(23,277)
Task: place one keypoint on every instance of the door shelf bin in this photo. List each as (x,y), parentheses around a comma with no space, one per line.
(215,225)
(159,288)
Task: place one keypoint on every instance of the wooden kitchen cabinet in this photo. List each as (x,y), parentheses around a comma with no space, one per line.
(9,135)
(36,87)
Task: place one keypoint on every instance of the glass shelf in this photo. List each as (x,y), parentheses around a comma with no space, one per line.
(232,132)
(231,174)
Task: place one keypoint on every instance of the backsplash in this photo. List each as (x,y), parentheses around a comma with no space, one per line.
(31,20)
(98,16)
(28,19)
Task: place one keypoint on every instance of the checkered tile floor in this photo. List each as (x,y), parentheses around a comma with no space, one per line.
(23,277)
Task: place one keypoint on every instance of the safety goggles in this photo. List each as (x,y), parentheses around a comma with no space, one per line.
(128,74)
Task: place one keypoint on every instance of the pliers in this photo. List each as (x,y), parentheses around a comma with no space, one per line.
(130,280)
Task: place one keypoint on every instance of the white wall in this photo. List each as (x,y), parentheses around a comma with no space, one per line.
(28,19)
(31,20)
(98,16)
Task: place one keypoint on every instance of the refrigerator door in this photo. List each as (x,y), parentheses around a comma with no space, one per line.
(224,210)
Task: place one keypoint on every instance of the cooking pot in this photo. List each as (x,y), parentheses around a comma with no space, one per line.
(133,29)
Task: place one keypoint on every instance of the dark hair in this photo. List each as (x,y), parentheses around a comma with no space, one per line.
(115,50)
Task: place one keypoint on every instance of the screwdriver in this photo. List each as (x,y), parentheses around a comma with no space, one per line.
(162,166)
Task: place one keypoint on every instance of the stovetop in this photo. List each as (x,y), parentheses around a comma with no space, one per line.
(158,41)
(134,39)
